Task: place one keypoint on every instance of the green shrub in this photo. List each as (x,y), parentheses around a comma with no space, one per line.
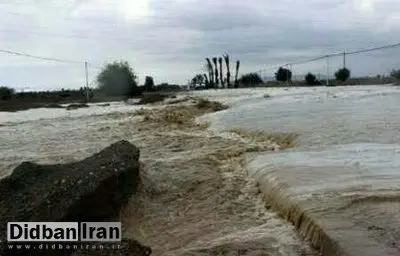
(250,79)
(149,84)
(283,75)
(395,74)
(6,93)
(311,79)
(118,78)
(342,74)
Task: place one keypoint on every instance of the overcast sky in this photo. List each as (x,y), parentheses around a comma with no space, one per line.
(169,39)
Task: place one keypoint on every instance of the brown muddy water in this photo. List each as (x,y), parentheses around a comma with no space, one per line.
(340,186)
(213,192)
(196,198)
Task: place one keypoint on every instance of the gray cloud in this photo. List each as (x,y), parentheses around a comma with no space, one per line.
(169,39)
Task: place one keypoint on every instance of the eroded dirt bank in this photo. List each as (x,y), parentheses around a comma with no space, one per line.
(196,197)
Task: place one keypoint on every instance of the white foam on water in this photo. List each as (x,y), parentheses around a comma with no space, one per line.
(344,175)
(374,166)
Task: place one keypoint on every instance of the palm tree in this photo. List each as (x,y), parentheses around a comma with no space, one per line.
(220,72)
(237,72)
(214,59)
(206,79)
(228,73)
(210,72)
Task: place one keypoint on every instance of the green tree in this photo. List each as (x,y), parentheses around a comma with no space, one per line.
(118,78)
(395,74)
(6,93)
(210,73)
(215,61)
(220,72)
(198,80)
(237,73)
(342,74)
(283,75)
(149,84)
(228,73)
(207,83)
(250,79)
(311,79)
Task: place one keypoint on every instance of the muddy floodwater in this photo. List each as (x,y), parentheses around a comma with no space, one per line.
(341,184)
(339,187)
(196,197)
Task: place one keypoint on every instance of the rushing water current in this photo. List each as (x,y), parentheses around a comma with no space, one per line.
(343,174)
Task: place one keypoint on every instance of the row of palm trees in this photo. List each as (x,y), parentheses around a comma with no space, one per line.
(215,77)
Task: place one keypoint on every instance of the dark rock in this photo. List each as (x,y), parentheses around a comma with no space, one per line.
(93,189)
(76,106)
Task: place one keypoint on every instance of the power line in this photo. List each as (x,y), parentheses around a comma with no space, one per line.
(50,59)
(374,49)
(41,58)
(56,60)
(334,55)
(347,53)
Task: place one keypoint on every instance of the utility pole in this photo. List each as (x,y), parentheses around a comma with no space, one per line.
(344,59)
(87,81)
(327,70)
(287,74)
